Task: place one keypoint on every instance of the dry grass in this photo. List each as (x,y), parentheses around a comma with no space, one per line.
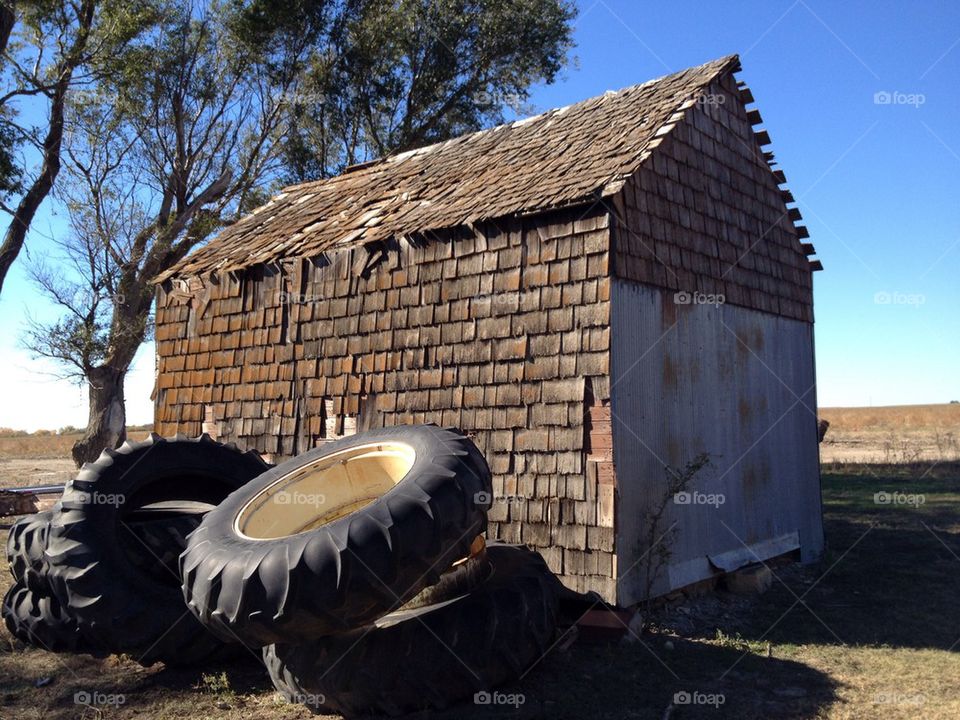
(41,459)
(898,434)
(47,446)
(36,447)
(892,417)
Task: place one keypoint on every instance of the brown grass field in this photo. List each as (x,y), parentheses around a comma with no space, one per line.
(41,459)
(896,434)
(872,631)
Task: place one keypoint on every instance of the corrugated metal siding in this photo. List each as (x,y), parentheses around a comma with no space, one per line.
(729,381)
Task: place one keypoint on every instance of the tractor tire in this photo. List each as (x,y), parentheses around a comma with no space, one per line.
(162,540)
(39,620)
(25,545)
(337,536)
(110,560)
(163,537)
(431,656)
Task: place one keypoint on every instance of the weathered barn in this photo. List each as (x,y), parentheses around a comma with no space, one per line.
(595,294)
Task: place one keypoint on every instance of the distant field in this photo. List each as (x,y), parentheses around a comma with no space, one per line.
(896,434)
(45,444)
(37,446)
(40,459)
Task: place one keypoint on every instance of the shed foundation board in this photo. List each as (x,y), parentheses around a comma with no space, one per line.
(731,382)
(763,550)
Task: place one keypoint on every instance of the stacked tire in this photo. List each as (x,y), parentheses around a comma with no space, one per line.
(358,567)
(355,567)
(98,573)
(30,611)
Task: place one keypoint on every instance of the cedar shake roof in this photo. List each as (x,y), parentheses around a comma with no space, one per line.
(561,158)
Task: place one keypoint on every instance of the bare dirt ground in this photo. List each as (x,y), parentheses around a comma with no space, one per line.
(898,434)
(23,472)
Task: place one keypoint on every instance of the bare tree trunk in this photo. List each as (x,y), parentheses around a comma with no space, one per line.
(106,427)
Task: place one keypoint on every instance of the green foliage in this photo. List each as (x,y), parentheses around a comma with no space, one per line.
(11,172)
(398,74)
(738,643)
(218,684)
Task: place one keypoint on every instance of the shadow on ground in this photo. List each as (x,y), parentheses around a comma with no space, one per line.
(891,573)
(639,680)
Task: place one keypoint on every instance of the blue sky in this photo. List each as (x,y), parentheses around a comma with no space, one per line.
(877,182)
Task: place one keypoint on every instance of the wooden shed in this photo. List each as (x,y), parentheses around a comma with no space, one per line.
(595,294)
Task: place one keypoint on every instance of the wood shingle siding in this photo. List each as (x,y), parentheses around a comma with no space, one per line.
(318,350)
(706,215)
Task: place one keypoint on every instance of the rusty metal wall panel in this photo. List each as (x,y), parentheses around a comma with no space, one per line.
(729,381)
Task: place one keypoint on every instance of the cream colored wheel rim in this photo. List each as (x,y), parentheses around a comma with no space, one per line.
(327,489)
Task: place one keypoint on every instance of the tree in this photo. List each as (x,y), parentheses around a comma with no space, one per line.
(57,43)
(217,105)
(168,149)
(9,172)
(399,74)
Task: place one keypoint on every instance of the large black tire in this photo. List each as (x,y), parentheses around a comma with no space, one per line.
(431,656)
(25,550)
(114,579)
(38,619)
(306,576)
(164,536)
